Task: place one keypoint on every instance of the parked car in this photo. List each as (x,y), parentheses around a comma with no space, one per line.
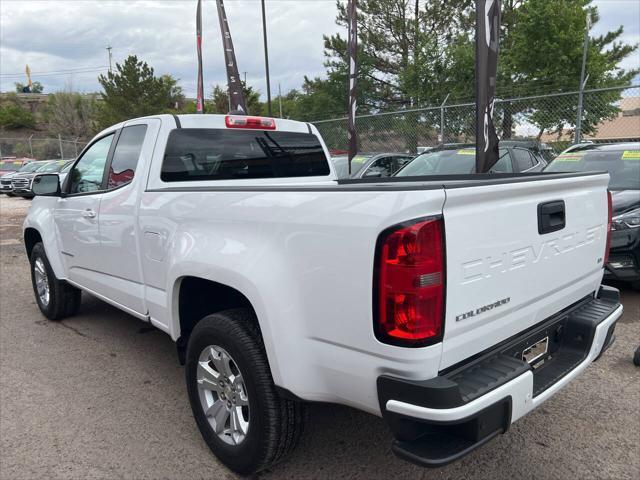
(515,157)
(12,165)
(21,183)
(622,161)
(451,308)
(5,180)
(370,164)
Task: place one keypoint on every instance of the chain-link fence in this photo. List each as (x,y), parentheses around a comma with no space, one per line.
(41,148)
(608,115)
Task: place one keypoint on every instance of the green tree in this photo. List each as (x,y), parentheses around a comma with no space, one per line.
(558,26)
(220,100)
(13,115)
(36,87)
(133,90)
(71,114)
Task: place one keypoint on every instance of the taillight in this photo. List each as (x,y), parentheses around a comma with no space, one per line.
(258,123)
(409,284)
(609,219)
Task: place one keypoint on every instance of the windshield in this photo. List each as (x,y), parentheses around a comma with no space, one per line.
(67,167)
(10,165)
(446,162)
(342,168)
(623,165)
(30,167)
(51,167)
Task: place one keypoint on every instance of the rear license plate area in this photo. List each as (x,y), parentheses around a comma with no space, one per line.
(536,354)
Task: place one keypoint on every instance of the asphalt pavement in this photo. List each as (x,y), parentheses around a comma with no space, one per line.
(101,395)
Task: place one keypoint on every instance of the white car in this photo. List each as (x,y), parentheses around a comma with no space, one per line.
(451,306)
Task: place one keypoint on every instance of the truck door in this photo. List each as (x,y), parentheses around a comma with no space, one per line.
(120,257)
(76,213)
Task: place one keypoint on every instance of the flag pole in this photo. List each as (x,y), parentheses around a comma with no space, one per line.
(266,58)
(236,93)
(352,49)
(487,40)
(200,94)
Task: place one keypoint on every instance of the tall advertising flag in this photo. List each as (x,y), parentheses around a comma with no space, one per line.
(487,38)
(352,49)
(236,95)
(200,99)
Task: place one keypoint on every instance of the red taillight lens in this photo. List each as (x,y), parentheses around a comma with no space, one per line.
(609,220)
(409,288)
(257,123)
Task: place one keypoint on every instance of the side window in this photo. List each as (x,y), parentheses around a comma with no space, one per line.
(524,161)
(401,162)
(88,173)
(503,165)
(126,155)
(384,166)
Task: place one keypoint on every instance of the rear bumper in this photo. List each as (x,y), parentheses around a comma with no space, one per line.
(442,419)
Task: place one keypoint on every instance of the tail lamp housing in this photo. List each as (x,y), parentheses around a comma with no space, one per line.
(409,284)
(609,222)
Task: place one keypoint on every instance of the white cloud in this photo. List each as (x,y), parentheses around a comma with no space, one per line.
(71,34)
(61,35)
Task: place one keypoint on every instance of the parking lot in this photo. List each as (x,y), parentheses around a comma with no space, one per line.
(101,395)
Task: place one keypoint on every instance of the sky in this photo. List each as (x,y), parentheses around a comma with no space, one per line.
(56,37)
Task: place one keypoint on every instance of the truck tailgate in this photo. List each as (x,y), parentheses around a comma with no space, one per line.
(511,263)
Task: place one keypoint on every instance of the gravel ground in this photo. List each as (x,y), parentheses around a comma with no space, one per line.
(100,395)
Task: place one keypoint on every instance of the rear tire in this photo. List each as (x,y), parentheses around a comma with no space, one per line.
(274,423)
(55,298)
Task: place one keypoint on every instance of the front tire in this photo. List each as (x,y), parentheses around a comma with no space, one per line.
(241,416)
(55,298)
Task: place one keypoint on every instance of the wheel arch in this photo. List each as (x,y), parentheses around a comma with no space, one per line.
(195,297)
(31,238)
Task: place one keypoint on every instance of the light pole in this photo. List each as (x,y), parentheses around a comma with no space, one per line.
(266,57)
(583,81)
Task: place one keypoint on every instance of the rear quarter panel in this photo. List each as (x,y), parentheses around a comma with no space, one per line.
(305,261)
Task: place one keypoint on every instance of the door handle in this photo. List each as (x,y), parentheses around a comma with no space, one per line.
(551,217)
(88,213)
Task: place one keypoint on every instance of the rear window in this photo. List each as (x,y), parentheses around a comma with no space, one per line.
(224,154)
(623,166)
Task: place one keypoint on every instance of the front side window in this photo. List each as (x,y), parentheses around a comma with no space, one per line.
(382,167)
(227,154)
(503,165)
(126,155)
(88,172)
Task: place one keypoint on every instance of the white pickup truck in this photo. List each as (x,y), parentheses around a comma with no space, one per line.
(450,306)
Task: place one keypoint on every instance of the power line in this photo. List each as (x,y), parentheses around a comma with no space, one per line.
(58,72)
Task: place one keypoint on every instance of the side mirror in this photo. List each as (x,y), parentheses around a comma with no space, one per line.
(46,185)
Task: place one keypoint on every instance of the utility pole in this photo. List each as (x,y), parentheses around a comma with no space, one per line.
(280,98)
(266,58)
(583,80)
(109,48)
(245,77)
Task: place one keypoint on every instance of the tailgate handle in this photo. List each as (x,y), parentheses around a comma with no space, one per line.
(551,216)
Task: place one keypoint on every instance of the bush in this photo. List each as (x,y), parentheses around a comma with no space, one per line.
(13,116)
